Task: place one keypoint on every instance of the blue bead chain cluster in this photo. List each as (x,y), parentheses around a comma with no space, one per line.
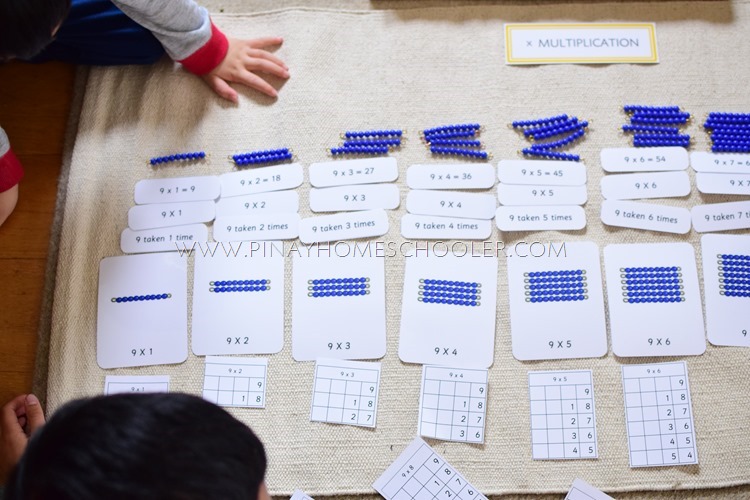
(239,286)
(457,293)
(368,142)
(556,286)
(262,157)
(656,126)
(730,132)
(338,287)
(651,284)
(454,140)
(570,127)
(734,275)
(158,160)
(139,298)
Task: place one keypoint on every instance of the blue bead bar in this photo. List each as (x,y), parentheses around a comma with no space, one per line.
(139,298)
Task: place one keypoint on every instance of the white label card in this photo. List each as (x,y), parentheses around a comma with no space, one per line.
(721,216)
(234,381)
(272,226)
(712,183)
(345,392)
(648,216)
(659,415)
(261,180)
(453,404)
(238,299)
(429,227)
(548,297)
(346,226)
(177,189)
(445,297)
(725,163)
(142,311)
(654,300)
(338,302)
(542,172)
(265,203)
(553,218)
(451,176)
(532,195)
(451,204)
(563,416)
(581,490)
(348,172)
(300,495)
(167,239)
(644,159)
(135,384)
(645,185)
(726,284)
(359,197)
(421,473)
(170,214)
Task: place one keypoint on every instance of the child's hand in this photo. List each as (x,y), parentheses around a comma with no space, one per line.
(8,200)
(18,420)
(244,58)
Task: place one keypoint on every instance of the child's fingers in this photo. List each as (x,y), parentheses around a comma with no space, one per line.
(256,82)
(221,87)
(264,54)
(34,414)
(259,43)
(255,64)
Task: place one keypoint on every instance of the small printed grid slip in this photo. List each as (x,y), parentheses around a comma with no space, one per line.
(729,132)
(563,417)
(656,126)
(457,140)
(338,287)
(345,392)
(642,285)
(448,292)
(558,132)
(263,157)
(225,286)
(233,381)
(581,490)
(368,142)
(421,473)
(453,404)
(179,157)
(135,384)
(556,286)
(659,415)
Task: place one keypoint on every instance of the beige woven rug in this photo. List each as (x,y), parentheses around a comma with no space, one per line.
(410,68)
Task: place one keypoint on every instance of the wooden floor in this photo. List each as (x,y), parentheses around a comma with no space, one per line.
(34,104)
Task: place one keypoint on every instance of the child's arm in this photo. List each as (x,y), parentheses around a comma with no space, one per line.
(11,173)
(189,37)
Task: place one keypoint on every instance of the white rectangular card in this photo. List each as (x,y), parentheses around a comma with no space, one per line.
(300,495)
(272,226)
(542,172)
(548,297)
(345,392)
(346,226)
(142,311)
(431,227)
(644,159)
(445,297)
(659,415)
(166,239)
(563,415)
(170,214)
(539,218)
(712,183)
(648,216)
(645,185)
(263,203)
(421,473)
(725,163)
(453,404)
(349,172)
(451,176)
(451,204)
(654,300)
(177,189)
(532,195)
(135,384)
(238,301)
(726,285)
(581,490)
(338,302)
(235,381)
(358,197)
(721,216)
(261,180)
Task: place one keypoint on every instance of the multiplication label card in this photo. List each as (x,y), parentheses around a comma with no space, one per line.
(261,180)
(233,381)
(345,392)
(453,404)
(452,176)
(581,490)
(661,159)
(563,418)
(137,384)
(659,415)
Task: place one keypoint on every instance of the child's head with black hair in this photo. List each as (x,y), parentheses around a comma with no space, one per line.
(144,446)
(28,26)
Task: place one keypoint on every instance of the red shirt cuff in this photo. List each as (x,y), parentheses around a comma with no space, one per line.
(11,171)
(205,59)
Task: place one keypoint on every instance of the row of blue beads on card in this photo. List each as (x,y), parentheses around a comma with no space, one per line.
(648,269)
(643,300)
(736,288)
(451,295)
(339,293)
(735,274)
(452,289)
(555,286)
(358,134)
(653,286)
(567,272)
(726,256)
(544,293)
(335,281)
(455,302)
(735,294)
(177,157)
(559,298)
(654,293)
(652,281)
(239,288)
(735,281)
(651,274)
(556,280)
(450,282)
(343,286)
(736,268)
(239,282)
(139,298)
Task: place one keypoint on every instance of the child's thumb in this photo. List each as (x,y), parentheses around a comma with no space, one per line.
(34,413)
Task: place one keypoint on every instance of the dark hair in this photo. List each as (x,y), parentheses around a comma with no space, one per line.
(144,446)
(26,26)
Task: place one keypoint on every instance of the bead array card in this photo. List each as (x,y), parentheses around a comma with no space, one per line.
(649,216)
(542,172)
(548,297)
(233,381)
(345,226)
(170,214)
(142,311)
(421,473)
(721,216)
(563,417)
(654,300)
(338,302)
(350,172)
(445,297)
(265,203)
(135,384)
(453,404)
(661,159)
(581,490)
(351,198)
(451,176)
(261,180)
(345,392)
(659,415)
(166,239)
(177,189)
(645,185)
